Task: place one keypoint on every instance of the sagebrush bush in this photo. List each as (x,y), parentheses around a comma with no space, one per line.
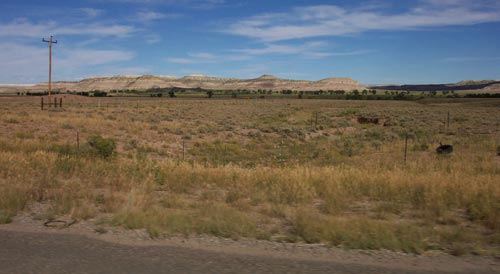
(104,147)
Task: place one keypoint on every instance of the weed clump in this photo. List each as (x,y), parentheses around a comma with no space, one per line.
(103,147)
(5,217)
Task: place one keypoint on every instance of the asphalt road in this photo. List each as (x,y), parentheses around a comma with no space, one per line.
(34,252)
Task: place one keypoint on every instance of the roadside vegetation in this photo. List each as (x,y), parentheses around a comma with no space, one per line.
(314,171)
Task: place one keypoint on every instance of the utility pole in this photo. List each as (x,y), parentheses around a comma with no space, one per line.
(51,41)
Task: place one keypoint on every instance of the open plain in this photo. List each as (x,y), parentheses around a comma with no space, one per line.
(329,172)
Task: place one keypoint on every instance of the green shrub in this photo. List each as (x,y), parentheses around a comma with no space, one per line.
(5,217)
(104,147)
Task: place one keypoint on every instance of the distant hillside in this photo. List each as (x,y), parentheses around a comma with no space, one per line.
(464,85)
(144,82)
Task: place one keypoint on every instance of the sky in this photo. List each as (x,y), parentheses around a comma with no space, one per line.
(372,41)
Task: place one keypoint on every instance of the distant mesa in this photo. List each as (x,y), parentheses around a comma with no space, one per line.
(145,82)
(268,77)
(475,82)
(264,82)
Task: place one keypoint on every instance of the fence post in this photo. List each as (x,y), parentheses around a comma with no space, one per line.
(55,102)
(448,122)
(41,102)
(78,139)
(60,102)
(183,149)
(406,145)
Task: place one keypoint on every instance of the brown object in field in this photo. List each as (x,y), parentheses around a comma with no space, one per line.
(368,120)
(498,151)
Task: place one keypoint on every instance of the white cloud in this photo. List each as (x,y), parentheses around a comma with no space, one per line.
(195,4)
(206,58)
(195,58)
(22,27)
(152,38)
(91,12)
(306,48)
(149,16)
(181,60)
(329,20)
(116,70)
(28,64)
(314,49)
(92,57)
(237,57)
(22,64)
(96,29)
(202,55)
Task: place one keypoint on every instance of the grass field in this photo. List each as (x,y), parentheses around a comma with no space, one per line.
(283,170)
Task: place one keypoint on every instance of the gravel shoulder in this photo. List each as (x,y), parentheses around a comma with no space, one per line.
(30,247)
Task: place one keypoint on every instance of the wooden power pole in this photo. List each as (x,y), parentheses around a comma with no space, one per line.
(50,41)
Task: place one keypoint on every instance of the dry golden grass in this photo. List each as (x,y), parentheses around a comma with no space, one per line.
(265,169)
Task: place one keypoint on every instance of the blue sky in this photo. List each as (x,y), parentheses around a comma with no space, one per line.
(372,41)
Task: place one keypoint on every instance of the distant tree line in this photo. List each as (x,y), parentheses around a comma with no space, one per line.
(436,87)
(365,94)
(483,95)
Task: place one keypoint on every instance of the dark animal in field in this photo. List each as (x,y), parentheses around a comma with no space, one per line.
(444,149)
(368,120)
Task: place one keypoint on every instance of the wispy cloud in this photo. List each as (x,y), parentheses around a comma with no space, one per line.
(93,57)
(181,60)
(152,38)
(28,64)
(330,20)
(350,53)
(195,4)
(23,27)
(316,49)
(194,58)
(149,16)
(283,49)
(91,12)
(117,70)
(206,58)
(470,59)
(203,55)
